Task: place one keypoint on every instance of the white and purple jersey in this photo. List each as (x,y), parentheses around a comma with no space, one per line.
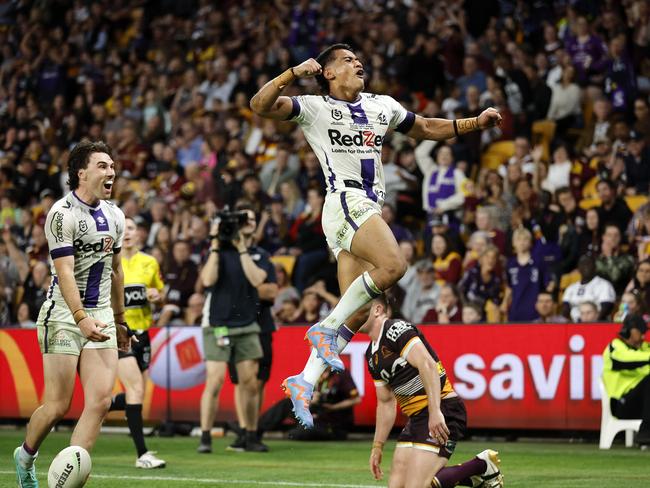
(347,138)
(92,234)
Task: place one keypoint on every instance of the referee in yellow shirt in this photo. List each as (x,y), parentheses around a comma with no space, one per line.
(142,286)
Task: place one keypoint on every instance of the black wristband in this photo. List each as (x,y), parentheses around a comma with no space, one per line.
(216,251)
(129,330)
(455,127)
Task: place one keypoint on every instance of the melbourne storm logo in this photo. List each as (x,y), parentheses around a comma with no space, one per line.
(337,114)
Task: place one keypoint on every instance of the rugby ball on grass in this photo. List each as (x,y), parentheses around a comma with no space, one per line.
(70,468)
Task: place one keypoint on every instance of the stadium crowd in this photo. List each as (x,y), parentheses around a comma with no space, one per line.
(543,219)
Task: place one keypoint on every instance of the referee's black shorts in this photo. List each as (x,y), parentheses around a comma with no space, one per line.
(140,350)
(264,371)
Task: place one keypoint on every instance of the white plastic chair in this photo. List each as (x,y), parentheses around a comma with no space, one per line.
(610,425)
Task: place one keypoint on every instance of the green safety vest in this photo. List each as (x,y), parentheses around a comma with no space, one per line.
(624,367)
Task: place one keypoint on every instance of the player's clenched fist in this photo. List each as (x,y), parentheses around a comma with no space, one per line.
(307,68)
(490,117)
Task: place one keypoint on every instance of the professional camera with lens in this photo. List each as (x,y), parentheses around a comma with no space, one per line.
(230,223)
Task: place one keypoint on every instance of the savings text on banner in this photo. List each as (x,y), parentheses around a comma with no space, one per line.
(511,376)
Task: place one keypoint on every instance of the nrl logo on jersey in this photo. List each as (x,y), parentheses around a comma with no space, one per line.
(381,118)
(337,116)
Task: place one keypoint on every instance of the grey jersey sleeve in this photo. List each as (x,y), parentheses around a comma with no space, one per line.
(120,223)
(401,119)
(305,109)
(59,231)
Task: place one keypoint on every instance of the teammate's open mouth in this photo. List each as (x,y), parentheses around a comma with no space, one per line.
(108,185)
(360,73)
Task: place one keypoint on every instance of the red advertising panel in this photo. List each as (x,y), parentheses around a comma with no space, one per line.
(511,376)
(526,376)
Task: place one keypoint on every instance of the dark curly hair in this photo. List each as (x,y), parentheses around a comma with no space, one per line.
(79,157)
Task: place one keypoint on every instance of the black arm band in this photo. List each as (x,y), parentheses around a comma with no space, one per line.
(455,127)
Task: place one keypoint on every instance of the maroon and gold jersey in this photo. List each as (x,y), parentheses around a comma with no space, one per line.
(388,365)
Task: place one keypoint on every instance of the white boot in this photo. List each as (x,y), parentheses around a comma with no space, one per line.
(149,461)
(492,477)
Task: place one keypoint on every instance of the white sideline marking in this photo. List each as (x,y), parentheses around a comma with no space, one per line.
(215,480)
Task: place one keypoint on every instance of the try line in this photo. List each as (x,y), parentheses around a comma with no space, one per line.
(215,480)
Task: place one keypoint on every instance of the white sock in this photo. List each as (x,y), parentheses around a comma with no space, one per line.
(360,292)
(25,459)
(315,365)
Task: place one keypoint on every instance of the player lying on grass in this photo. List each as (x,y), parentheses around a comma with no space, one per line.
(346,130)
(407,371)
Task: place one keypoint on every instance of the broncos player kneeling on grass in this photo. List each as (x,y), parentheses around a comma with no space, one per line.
(407,371)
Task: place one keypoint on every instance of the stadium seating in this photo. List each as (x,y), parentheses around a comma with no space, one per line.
(610,425)
(543,132)
(587,203)
(568,279)
(636,201)
(288,262)
(590,190)
(497,154)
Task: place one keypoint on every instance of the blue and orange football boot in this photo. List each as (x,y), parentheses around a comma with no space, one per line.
(323,339)
(299,392)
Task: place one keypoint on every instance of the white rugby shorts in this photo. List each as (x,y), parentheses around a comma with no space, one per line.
(59,334)
(343,214)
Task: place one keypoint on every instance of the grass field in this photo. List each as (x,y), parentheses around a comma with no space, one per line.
(335,465)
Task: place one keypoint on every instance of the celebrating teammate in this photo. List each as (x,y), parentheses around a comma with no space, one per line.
(142,286)
(81,324)
(406,370)
(346,129)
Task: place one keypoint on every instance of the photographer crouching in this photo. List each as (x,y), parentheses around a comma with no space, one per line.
(231,275)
